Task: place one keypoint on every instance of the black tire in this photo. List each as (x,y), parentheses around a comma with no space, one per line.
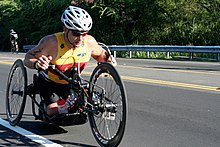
(108,126)
(16,92)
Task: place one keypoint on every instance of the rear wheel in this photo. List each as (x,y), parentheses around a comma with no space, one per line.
(16,92)
(109,97)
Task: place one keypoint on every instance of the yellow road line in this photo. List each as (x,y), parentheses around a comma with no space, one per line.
(178,84)
(6,62)
(173,70)
(162,82)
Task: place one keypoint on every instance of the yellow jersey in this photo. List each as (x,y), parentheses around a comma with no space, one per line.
(67,59)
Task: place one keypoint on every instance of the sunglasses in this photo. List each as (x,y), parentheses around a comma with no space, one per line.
(78,33)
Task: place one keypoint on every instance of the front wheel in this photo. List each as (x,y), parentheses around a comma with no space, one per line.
(16,92)
(109,98)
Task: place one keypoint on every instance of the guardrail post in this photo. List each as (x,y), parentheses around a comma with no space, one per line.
(130,54)
(148,54)
(114,53)
(190,56)
(168,55)
(217,56)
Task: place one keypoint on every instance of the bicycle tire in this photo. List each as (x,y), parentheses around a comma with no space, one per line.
(108,127)
(16,92)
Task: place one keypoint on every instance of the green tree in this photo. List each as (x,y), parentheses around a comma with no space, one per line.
(160,22)
(190,22)
(31,19)
(9,10)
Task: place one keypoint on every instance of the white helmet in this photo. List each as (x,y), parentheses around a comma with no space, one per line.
(75,18)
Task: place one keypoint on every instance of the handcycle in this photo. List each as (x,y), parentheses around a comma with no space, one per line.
(102,100)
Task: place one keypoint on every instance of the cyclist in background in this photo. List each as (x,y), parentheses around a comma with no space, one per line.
(13,39)
(68,49)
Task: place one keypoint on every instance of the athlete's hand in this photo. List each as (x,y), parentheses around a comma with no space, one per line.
(43,62)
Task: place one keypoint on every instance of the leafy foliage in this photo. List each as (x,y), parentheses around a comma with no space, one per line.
(160,22)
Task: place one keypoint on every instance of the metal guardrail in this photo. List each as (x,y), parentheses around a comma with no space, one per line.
(167,49)
(28,47)
(157,48)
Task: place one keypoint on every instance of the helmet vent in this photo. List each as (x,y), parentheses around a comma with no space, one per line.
(78,26)
(63,16)
(68,24)
(77,12)
(69,17)
(71,13)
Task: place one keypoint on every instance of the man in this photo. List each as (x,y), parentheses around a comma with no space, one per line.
(71,48)
(13,39)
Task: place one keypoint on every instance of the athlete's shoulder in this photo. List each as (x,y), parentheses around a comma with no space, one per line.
(49,39)
(89,37)
(91,40)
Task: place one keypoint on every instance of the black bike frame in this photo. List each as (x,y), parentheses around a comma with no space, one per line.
(75,80)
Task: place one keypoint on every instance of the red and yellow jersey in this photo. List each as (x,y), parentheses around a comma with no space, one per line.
(69,58)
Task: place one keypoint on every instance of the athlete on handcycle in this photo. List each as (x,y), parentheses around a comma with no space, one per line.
(66,50)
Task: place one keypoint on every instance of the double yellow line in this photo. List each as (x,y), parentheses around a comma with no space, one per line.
(169,83)
(153,81)
(162,82)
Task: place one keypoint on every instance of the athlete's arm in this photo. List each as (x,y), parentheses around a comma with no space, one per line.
(41,55)
(97,52)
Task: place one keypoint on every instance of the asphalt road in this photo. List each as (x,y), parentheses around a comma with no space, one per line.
(171,104)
